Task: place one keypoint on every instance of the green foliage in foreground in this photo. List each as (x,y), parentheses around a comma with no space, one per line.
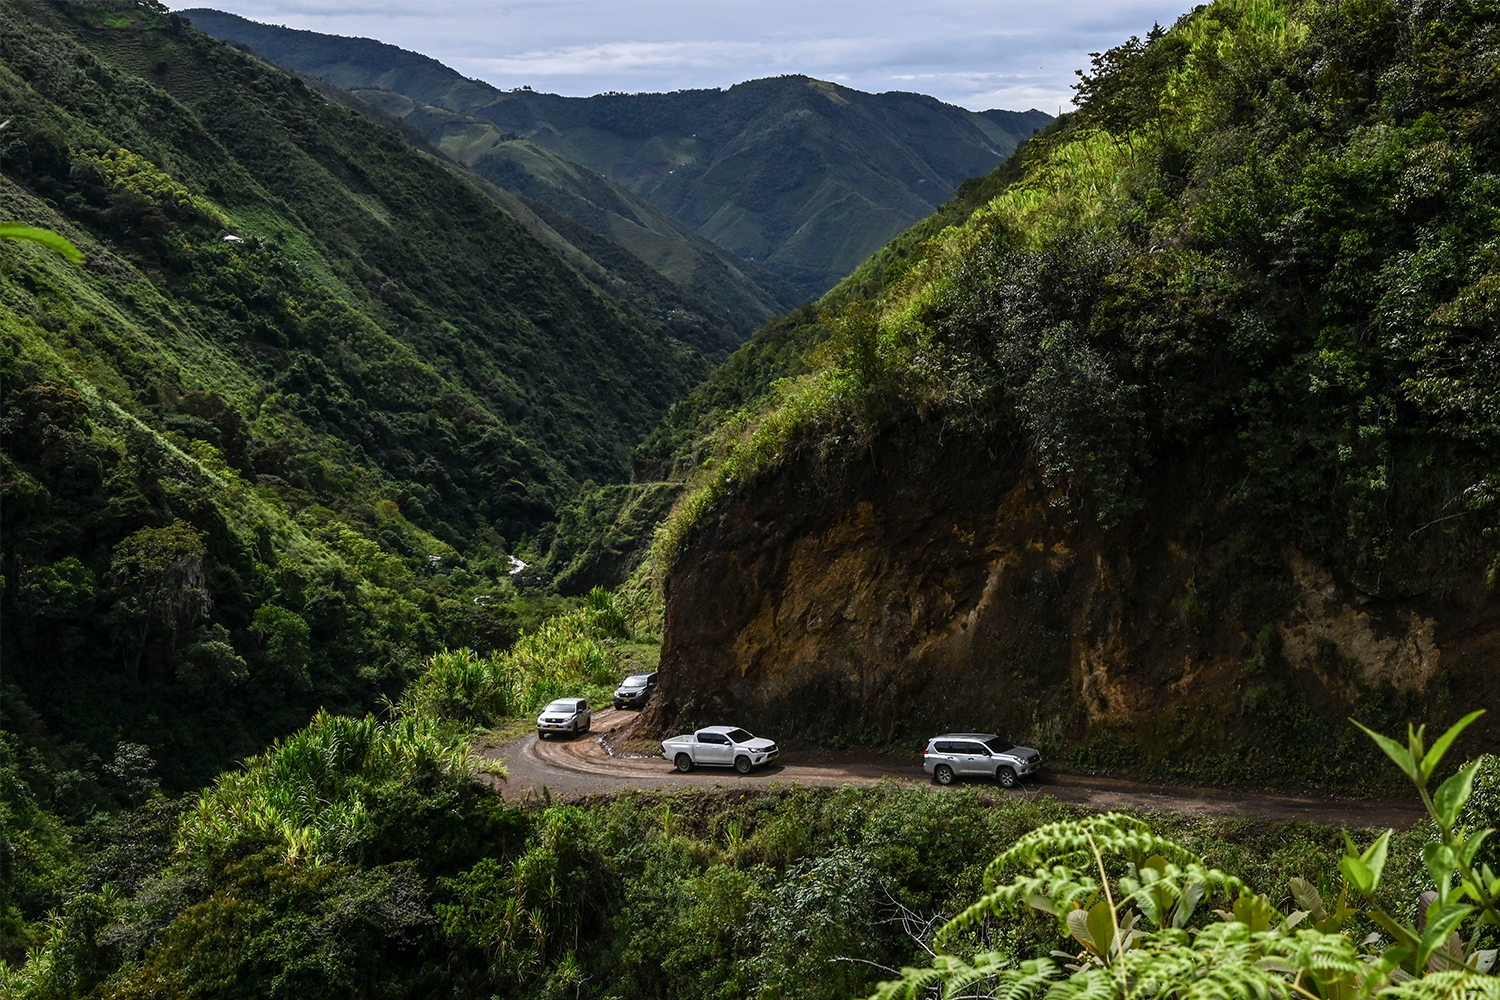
(45,237)
(1131,899)
(441,887)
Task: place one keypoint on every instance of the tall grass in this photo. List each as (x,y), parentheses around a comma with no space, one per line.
(311,793)
(563,656)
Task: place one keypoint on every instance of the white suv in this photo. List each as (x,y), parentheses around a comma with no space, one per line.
(565,715)
(982,755)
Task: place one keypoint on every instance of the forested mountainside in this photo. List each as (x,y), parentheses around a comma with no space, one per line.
(645,255)
(699,292)
(278,436)
(1185,439)
(804,177)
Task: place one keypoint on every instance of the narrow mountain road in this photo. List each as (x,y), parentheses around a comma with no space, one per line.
(587,765)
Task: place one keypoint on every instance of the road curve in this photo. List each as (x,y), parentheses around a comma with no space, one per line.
(578,767)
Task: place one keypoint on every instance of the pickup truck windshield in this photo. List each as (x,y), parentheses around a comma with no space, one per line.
(739,736)
(997,745)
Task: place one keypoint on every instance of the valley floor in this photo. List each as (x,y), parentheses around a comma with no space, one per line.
(592,765)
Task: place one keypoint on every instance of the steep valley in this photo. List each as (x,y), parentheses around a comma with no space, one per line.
(1169,447)
(803,177)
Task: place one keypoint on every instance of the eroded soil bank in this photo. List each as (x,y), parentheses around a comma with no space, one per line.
(938,585)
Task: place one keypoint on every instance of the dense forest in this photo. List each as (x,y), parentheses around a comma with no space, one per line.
(281,447)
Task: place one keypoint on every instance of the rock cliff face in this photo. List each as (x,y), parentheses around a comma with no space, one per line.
(938,585)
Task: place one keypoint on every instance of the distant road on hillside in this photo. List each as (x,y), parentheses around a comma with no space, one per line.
(575,768)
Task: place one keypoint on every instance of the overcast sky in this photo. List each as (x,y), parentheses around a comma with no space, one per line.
(981,54)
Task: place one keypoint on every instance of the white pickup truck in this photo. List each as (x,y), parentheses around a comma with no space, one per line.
(726,745)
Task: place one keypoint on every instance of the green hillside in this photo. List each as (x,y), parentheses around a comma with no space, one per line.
(276,438)
(1229,328)
(710,297)
(803,177)
(1222,355)
(700,293)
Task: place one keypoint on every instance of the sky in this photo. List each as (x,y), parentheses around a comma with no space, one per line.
(980,54)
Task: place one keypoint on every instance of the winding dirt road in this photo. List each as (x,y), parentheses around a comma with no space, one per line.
(587,765)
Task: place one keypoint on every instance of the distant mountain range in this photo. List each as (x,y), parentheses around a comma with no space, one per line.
(803,177)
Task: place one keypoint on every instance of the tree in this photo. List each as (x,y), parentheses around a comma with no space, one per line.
(159,572)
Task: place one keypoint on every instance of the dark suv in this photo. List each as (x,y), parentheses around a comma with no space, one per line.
(983,755)
(634,690)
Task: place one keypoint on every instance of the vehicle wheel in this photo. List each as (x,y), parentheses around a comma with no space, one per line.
(1006,777)
(541,735)
(944,774)
(684,763)
(590,727)
(742,764)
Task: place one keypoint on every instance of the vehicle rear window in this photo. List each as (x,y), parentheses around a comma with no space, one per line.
(739,736)
(997,745)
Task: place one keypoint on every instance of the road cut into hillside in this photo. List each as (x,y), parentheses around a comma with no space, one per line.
(570,769)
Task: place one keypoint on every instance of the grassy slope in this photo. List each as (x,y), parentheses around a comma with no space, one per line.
(386,368)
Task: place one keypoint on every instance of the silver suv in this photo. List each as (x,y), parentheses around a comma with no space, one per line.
(982,755)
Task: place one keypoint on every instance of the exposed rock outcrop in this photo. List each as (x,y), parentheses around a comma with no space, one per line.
(938,585)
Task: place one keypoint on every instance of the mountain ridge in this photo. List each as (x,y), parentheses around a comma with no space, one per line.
(863,167)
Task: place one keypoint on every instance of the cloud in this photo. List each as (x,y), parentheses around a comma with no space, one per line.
(978,53)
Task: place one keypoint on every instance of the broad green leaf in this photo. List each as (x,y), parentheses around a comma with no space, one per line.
(1435,755)
(1357,873)
(1394,751)
(1256,912)
(1440,863)
(1040,902)
(1451,795)
(1078,926)
(1375,857)
(47,238)
(1192,895)
(1470,849)
(1101,924)
(1305,895)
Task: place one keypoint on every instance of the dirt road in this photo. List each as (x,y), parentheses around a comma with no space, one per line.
(587,765)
